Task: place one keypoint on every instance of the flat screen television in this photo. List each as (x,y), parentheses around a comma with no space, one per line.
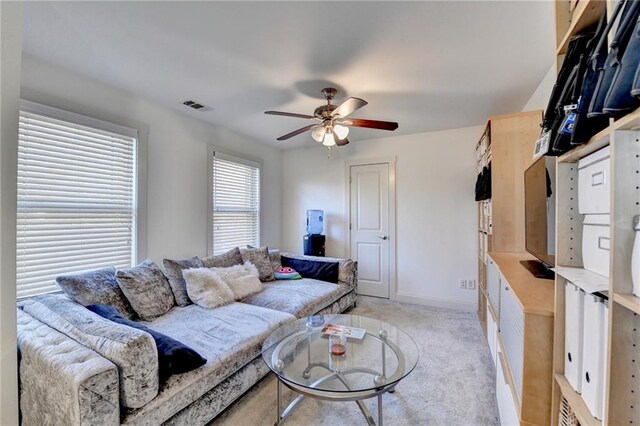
(540,216)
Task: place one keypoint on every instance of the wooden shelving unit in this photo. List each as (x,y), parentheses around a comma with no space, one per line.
(622,387)
(507,144)
(580,410)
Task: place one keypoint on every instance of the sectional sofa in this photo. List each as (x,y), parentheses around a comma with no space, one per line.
(78,368)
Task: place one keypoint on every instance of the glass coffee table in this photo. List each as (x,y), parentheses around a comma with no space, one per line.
(301,357)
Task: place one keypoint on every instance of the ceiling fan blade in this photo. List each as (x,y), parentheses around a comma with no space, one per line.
(297,132)
(342,142)
(289,114)
(348,106)
(371,124)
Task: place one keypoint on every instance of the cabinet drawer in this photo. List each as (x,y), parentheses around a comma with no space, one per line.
(512,333)
(493,286)
(506,403)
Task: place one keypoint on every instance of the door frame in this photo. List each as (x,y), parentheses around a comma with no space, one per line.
(391,162)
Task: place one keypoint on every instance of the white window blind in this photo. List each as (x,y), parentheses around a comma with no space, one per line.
(76,201)
(236,203)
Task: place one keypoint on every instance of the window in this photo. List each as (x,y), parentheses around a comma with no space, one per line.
(236,203)
(76,197)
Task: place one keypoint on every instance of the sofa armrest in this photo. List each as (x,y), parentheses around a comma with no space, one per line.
(63,382)
(347,268)
(133,351)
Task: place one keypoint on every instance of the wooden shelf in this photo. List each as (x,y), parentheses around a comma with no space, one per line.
(628,300)
(586,14)
(586,280)
(630,121)
(598,141)
(601,139)
(578,406)
(535,295)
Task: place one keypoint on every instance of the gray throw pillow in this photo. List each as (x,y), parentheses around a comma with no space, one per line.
(224,260)
(260,258)
(96,287)
(274,256)
(147,289)
(173,270)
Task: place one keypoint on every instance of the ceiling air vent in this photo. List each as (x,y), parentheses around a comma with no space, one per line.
(196,105)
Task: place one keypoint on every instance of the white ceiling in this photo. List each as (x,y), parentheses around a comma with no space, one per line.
(427,65)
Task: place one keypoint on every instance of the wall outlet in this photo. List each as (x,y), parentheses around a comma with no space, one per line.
(463,284)
(471,284)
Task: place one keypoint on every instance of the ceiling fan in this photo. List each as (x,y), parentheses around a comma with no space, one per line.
(333,126)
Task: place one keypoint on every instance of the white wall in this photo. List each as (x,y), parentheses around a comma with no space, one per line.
(10,48)
(177,157)
(436,211)
(540,97)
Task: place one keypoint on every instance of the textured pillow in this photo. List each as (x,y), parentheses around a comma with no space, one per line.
(132,351)
(206,288)
(99,286)
(224,260)
(242,279)
(173,270)
(324,271)
(174,357)
(260,258)
(286,273)
(274,257)
(147,289)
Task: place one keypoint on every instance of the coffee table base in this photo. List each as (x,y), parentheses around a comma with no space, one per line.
(357,397)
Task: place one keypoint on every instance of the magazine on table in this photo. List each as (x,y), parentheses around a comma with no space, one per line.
(351,332)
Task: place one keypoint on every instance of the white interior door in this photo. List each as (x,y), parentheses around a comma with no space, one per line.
(369,224)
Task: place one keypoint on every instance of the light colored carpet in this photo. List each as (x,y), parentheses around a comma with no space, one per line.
(453,383)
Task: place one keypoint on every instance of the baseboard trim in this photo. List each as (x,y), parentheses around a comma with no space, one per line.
(437,302)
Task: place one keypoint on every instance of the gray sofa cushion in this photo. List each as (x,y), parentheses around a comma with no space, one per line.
(62,381)
(132,351)
(96,287)
(347,268)
(260,259)
(298,297)
(173,270)
(224,260)
(147,289)
(228,337)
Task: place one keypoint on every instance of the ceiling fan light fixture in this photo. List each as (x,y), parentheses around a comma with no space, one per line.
(329,140)
(341,131)
(318,133)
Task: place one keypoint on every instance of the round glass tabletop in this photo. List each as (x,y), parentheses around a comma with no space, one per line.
(303,354)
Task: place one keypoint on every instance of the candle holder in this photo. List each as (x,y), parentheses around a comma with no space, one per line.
(337,344)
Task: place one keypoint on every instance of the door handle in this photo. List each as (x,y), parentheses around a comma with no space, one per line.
(384,237)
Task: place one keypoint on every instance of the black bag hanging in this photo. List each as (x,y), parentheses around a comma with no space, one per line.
(554,114)
(619,100)
(617,48)
(565,109)
(583,126)
(478,192)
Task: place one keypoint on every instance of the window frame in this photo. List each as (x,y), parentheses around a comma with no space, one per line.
(236,158)
(136,130)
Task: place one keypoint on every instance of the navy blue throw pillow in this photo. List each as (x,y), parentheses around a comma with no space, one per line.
(173,357)
(320,270)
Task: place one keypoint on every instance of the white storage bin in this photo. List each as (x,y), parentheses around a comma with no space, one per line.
(596,244)
(594,183)
(593,354)
(573,327)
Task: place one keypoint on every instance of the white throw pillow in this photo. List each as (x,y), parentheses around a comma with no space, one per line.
(206,288)
(243,280)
